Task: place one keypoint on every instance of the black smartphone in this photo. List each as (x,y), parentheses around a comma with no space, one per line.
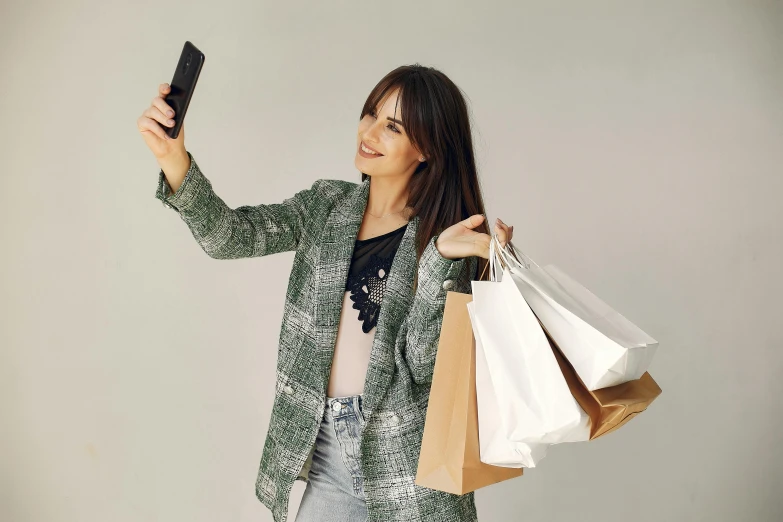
(182,86)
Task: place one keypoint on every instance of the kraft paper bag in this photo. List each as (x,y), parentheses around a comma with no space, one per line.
(449,459)
(612,407)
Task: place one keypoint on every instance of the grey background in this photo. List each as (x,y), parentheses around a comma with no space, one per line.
(637,145)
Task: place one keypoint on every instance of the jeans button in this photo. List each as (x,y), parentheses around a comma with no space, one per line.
(337,406)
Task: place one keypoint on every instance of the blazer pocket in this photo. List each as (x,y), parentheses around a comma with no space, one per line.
(398,421)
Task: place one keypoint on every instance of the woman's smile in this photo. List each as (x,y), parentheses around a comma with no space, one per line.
(367,152)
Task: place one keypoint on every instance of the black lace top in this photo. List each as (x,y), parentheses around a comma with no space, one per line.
(370,265)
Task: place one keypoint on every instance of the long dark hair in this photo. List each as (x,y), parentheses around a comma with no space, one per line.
(445,189)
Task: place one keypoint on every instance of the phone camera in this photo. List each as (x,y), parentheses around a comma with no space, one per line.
(186,65)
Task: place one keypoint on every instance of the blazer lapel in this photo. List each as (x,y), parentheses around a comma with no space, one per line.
(337,244)
(336,249)
(397,299)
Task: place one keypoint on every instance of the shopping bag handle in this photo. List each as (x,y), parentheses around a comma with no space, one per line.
(516,259)
(506,258)
(509,256)
(494,260)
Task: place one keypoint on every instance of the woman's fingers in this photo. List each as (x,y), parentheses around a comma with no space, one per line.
(146,124)
(479,241)
(154,114)
(503,232)
(154,122)
(164,107)
(472,221)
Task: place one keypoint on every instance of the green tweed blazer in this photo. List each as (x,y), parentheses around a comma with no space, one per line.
(321,225)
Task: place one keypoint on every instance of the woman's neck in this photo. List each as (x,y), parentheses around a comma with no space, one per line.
(388,195)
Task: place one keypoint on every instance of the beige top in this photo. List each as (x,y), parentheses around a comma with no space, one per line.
(367,279)
(351,353)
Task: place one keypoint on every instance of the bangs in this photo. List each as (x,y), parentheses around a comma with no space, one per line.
(414,104)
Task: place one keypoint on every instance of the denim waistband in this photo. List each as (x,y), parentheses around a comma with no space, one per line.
(343,406)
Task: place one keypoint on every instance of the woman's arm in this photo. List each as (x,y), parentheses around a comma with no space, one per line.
(451,265)
(246,231)
(437,276)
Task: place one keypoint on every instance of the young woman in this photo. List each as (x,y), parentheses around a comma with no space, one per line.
(374,261)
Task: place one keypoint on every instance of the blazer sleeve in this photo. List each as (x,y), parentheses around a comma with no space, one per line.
(437,276)
(246,231)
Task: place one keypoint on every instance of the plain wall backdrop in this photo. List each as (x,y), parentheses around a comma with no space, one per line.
(637,145)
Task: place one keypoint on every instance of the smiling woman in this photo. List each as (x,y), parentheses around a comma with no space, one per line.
(414,138)
(364,306)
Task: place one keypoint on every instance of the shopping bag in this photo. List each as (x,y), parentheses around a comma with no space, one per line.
(449,458)
(494,446)
(612,407)
(524,392)
(604,348)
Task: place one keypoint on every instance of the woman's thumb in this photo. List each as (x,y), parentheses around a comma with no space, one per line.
(473,221)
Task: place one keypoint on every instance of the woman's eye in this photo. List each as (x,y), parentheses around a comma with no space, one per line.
(390,126)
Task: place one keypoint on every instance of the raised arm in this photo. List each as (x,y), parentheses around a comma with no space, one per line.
(246,231)
(222,232)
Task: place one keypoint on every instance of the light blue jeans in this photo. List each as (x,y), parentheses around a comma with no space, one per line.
(334,490)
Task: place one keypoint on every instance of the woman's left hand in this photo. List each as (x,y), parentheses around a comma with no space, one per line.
(460,240)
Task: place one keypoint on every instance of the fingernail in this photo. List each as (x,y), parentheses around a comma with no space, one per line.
(170,114)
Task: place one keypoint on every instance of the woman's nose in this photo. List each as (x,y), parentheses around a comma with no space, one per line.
(370,136)
(376,129)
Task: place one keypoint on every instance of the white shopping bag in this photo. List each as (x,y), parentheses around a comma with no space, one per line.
(524,403)
(604,347)
(494,446)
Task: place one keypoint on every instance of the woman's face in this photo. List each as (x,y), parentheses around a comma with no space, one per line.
(382,133)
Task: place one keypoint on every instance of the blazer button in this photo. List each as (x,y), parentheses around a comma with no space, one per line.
(288,390)
(392,418)
(447,284)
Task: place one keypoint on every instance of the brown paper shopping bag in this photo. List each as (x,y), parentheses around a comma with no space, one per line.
(449,459)
(608,408)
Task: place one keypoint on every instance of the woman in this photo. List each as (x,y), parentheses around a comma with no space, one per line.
(352,388)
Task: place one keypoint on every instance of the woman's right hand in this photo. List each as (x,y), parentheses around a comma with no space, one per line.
(151,125)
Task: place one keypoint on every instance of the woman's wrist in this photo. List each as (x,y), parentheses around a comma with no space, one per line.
(175,166)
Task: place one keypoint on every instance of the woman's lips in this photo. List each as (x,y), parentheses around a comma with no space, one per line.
(366,154)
